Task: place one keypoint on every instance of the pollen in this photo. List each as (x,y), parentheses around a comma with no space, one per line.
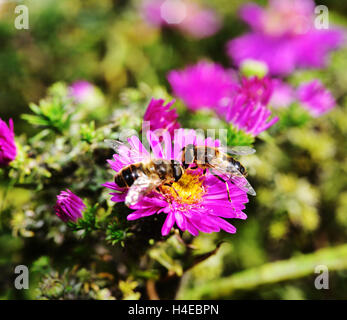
(188,189)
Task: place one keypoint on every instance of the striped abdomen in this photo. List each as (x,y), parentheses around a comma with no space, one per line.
(204,156)
(127,176)
(166,170)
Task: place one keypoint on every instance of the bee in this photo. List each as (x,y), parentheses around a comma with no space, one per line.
(220,164)
(145,175)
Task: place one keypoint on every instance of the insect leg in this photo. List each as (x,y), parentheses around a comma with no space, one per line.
(225,182)
(168,185)
(227,186)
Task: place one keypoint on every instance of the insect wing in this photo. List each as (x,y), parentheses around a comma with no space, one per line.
(240,150)
(125,150)
(227,171)
(114,144)
(241,182)
(141,187)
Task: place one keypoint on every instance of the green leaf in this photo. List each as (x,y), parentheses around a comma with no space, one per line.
(239,138)
(52,112)
(116,233)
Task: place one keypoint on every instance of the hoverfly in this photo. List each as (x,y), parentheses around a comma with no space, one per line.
(145,175)
(220,164)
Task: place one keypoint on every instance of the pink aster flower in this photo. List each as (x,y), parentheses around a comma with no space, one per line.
(248,110)
(208,85)
(204,85)
(69,207)
(8,150)
(160,116)
(284,37)
(196,202)
(81,91)
(316,98)
(252,118)
(256,89)
(187,16)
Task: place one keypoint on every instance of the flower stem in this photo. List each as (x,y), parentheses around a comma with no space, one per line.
(4,199)
(299,266)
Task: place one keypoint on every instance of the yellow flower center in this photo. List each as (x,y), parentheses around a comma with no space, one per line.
(188,189)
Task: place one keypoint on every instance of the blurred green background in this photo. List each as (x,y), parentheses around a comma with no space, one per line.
(299,173)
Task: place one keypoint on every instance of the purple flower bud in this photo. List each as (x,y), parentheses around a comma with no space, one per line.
(8,150)
(69,207)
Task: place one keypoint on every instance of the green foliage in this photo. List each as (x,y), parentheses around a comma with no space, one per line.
(293,116)
(250,68)
(87,223)
(239,138)
(116,233)
(54,112)
(88,132)
(75,284)
(335,259)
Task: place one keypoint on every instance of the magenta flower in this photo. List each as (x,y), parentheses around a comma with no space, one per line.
(315,98)
(251,117)
(204,85)
(81,91)
(195,203)
(284,37)
(160,116)
(190,18)
(8,150)
(256,89)
(69,207)
(248,110)
(208,85)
